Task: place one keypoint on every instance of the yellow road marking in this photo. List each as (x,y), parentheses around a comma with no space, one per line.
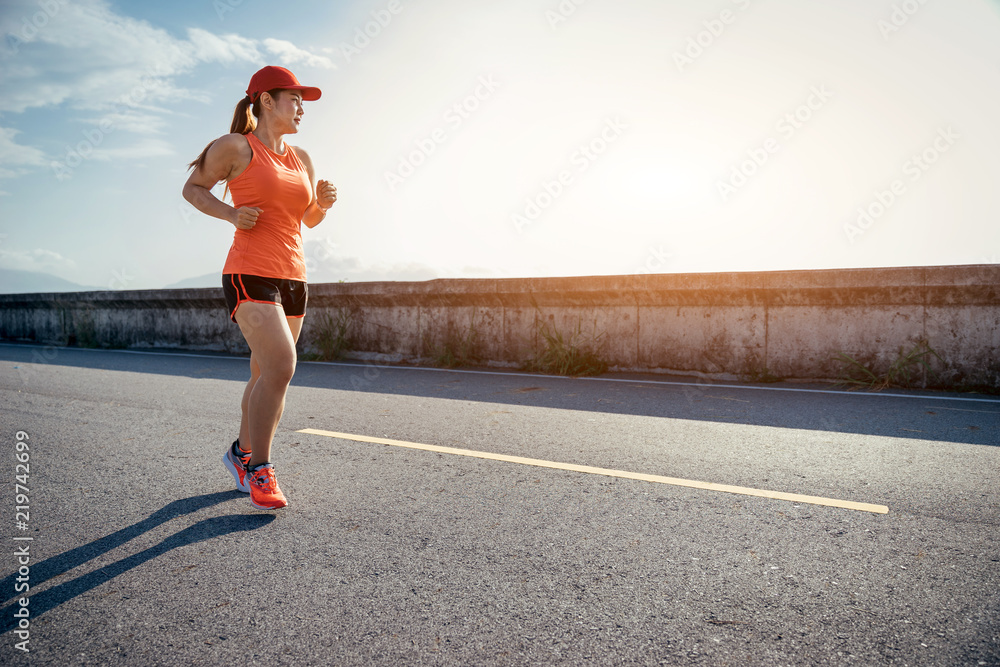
(658,479)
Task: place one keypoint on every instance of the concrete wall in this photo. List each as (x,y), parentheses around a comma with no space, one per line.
(789,324)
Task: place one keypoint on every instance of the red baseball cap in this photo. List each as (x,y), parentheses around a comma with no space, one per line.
(272,77)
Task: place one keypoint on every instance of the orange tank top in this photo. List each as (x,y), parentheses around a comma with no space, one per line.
(278,185)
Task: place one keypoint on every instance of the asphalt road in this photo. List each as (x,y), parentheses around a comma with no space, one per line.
(142,553)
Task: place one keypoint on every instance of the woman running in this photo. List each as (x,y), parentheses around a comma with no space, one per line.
(264,278)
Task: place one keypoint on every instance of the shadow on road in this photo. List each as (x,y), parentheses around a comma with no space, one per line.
(923,415)
(57,565)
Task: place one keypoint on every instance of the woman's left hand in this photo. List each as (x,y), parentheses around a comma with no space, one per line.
(326,194)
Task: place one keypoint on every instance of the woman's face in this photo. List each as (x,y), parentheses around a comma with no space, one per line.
(286,110)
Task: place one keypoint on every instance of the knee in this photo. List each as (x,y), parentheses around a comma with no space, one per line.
(280,370)
(285,370)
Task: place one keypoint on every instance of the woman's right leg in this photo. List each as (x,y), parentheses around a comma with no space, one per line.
(271,345)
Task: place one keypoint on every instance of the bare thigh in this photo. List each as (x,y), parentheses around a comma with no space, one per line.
(269,334)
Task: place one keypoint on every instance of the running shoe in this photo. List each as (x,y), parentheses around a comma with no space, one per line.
(264,491)
(236,462)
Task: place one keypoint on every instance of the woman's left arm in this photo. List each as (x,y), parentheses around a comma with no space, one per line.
(324,194)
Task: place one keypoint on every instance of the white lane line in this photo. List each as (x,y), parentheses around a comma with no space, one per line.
(142,352)
(702,385)
(658,479)
(983,412)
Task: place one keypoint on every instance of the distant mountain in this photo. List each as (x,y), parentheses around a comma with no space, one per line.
(13,281)
(336,270)
(207,280)
(351,270)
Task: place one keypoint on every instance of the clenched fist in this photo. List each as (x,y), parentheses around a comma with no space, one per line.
(246,217)
(326,194)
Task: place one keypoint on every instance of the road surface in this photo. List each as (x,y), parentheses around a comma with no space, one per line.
(610,545)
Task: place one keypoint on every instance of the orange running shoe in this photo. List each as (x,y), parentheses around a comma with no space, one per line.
(264,491)
(236,461)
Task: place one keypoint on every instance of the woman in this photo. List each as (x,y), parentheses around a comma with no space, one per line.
(264,278)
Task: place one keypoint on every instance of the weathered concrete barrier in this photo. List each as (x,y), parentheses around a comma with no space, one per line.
(785,324)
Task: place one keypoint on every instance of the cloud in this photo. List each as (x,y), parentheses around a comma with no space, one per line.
(326,265)
(89,57)
(86,57)
(289,54)
(16,159)
(131,120)
(38,259)
(147,147)
(209,47)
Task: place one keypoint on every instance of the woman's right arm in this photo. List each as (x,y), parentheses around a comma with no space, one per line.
(227,157)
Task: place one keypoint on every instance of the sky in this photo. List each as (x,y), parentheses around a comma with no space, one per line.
(523,138)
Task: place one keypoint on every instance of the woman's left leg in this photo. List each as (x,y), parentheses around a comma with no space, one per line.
(244,437)
(295,326)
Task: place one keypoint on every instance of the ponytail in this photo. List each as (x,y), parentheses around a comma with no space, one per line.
(243,117)
(244,122)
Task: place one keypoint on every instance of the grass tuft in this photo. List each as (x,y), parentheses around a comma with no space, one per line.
(458,351)
(758,374)
(566,356)
(331,336)
(906,371)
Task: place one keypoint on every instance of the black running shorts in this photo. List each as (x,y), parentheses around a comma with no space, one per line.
(291,295)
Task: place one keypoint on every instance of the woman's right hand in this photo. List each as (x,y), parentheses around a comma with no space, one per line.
(246,217)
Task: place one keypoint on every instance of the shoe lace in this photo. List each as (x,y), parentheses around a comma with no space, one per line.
(264,478)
